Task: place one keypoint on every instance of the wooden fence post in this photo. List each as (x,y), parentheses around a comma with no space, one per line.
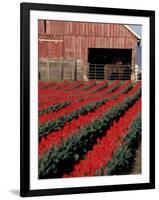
(75,71)
(62,75)
(48,69)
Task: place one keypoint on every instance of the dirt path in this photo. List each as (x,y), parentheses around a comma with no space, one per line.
(137,165)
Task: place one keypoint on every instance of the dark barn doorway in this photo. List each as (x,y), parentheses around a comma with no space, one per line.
(98,58)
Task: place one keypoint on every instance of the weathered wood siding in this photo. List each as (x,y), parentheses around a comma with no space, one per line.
(71,40)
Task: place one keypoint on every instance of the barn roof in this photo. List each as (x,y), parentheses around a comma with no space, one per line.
(133,32)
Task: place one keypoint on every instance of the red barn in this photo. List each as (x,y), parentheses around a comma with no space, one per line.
(77,50)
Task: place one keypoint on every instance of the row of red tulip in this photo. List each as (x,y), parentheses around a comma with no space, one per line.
(57,95)
(54,87)
(106,147)
(66,91)
(43,85)
(65,86)
(62,97)
(56,138)
(77,105)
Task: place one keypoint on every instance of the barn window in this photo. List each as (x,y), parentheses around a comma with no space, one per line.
(109,64)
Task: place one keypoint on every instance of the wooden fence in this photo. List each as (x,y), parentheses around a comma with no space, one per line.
(56,69)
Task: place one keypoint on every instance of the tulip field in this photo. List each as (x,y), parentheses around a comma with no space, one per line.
(88,128)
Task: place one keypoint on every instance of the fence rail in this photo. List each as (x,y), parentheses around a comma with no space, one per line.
(110,71)
(55,69)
